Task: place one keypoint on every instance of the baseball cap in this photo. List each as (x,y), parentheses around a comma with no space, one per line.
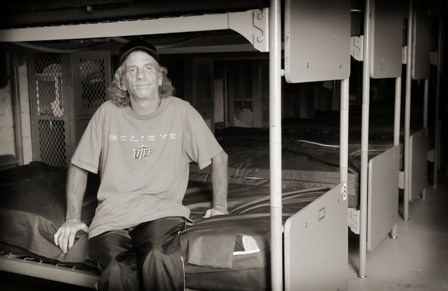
(134,45)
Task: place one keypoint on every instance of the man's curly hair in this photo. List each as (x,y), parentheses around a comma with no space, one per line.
(119,96)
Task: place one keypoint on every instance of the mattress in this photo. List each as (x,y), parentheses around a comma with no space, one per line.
(32,207)
(310,158)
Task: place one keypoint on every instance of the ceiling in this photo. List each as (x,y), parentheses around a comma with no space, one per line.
(29,13)
(25,13)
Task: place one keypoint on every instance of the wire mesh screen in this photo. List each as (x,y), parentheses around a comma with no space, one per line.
(49,110)
(52,142)
(92,73)
(49,96)
(243,113)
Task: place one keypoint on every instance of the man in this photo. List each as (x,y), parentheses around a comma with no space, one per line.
(141,142)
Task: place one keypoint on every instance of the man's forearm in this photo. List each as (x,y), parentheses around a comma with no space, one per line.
(219,179)
(76,186)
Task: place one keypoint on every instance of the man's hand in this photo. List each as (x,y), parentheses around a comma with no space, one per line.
(216,210)
(64,238)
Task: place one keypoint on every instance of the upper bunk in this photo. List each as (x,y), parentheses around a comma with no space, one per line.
(173,26)
(28,13)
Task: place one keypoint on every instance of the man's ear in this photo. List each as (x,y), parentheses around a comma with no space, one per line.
(160,79)
(122,85)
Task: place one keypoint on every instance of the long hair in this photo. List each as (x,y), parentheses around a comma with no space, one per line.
(117,93)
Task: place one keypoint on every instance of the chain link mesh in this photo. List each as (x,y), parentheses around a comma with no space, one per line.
(49,110)
(93,82)
(52,142)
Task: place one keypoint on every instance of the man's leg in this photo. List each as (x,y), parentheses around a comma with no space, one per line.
(116,260)
(157,246)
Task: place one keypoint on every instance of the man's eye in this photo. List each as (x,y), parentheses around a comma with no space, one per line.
(131,70)
(149,68)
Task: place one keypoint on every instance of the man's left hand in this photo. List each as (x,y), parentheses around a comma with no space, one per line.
(216,210)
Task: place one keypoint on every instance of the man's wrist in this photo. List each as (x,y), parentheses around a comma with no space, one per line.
(72,219)
(220,208)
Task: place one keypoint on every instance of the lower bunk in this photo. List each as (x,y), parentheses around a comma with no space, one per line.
(310,158)
(229,252)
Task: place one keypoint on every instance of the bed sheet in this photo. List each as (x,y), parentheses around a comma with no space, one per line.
(310,157)
(233,247)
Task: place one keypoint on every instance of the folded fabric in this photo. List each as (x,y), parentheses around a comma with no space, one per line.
(213,250)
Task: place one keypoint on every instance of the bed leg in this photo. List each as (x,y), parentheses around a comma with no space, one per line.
(424,194)
(393,232)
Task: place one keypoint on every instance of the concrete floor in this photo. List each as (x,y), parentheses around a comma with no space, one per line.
(418,258)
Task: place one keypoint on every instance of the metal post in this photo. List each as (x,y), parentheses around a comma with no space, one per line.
(425,104)
(364,143)
(407,121)
(343,150)
(437,130)
(397,112)
(425,118)
(275,145)
(17,113)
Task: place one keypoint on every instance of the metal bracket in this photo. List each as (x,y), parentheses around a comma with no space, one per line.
(401,180)
(404,54)
(354,220)
(256,31)
(433,57)
(344,191)
(357,47)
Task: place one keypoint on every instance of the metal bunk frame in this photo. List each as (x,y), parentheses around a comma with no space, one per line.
(416,144)
(263,33)
(379,182)
(379,191)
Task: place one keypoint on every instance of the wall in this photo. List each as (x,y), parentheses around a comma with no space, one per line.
(7,144)
(25,114)
(7,122)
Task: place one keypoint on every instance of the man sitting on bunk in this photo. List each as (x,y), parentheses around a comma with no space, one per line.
(141,142)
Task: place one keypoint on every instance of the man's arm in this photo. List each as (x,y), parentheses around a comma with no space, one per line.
(76,186)
(220,185)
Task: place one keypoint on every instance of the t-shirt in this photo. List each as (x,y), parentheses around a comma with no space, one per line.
(143,161)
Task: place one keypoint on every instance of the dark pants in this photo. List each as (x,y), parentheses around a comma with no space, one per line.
(148,257)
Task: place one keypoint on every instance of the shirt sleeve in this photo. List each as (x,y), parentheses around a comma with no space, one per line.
(88,151)
(200,144)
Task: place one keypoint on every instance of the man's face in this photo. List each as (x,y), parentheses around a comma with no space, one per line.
(142,75)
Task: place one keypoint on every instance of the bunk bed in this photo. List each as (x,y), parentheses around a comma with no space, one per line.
(33,203)
(417,68)
(376,155)
(315,221)
(310,147)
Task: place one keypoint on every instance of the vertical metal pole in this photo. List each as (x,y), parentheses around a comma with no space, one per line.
(275,145)
(364,143)
(17,112)
(397,112)
(425,105)
(425,117)
(437,101)
(343,150)
(407,121)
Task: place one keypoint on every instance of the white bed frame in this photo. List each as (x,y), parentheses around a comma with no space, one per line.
(380,49)
(318,222)
(416,144)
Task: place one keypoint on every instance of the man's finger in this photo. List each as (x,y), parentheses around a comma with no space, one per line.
(208,213)
(71,239)
(56,237)
(63,238)
(85,228)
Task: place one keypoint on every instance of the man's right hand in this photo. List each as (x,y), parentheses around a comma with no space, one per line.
(64,238)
